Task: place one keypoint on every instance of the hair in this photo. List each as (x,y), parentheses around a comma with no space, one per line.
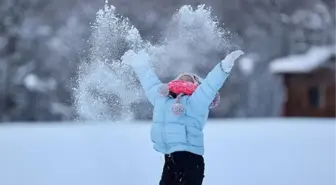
(172,95)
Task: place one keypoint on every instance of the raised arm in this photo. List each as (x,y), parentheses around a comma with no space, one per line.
(205,93)
(147,77)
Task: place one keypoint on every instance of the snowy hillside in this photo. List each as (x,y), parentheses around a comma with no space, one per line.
(238,152)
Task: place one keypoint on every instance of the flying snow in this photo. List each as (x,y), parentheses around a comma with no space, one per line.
(107,88)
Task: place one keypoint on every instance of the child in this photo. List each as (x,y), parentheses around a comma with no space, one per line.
(181,109)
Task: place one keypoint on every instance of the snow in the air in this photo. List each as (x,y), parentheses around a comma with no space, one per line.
(247,64)
(238,152)
(301,63)
(105,76)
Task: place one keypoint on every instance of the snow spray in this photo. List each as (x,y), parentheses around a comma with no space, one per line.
(107,88)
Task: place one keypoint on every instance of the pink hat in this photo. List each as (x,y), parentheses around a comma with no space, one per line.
(178,108)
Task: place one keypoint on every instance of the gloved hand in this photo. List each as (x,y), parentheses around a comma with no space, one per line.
(228,62)
(139,59)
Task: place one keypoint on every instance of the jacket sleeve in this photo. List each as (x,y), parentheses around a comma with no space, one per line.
(148,80)
(205,93)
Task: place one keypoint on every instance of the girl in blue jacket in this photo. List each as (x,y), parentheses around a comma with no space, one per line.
(179,119)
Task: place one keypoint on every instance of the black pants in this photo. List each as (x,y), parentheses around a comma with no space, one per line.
(183,168)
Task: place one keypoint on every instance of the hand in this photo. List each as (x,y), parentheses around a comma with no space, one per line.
(135,59)
(229,60)
(128,57)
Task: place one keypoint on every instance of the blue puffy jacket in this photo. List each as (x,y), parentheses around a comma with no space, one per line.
(170,132)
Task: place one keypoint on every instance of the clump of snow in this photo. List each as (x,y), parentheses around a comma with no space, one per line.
(106,86)
(191,38)
(303,63)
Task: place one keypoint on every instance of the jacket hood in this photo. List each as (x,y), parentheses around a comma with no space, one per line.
(198,80)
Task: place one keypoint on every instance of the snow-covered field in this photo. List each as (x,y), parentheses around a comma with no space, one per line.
(238,152)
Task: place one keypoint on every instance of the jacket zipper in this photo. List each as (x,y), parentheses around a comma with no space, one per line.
(162,129)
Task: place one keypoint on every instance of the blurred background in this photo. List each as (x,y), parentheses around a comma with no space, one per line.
(288,69)
(275,124)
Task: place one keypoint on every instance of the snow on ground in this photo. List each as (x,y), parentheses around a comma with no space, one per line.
(238,152)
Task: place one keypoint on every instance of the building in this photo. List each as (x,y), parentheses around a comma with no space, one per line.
(309,81)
